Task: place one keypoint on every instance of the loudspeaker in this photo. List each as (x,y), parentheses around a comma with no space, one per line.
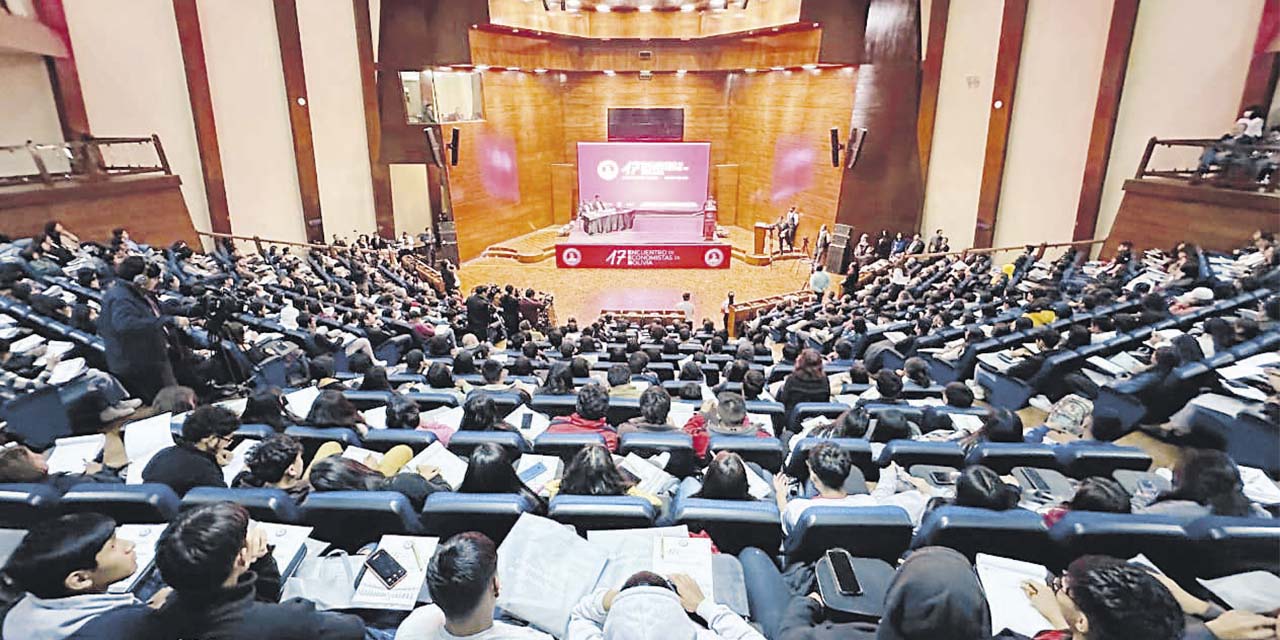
(838,253)
(447,233)
(433,146)
(835,146)
(455,134)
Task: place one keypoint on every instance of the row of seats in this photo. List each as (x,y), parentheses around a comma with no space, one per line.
(1203,547)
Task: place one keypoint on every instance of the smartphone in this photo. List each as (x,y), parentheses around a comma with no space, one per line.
(385,567)
(526,421)
(1036,481)
(846,579)
(528,475)
(942,478)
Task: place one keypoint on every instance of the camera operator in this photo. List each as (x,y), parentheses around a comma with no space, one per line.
(135,332)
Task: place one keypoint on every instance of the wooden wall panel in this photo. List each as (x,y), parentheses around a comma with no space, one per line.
(295,89)
(779,137)
(1012,26)
(1158,213)
(1115,62)
(501,187)
(379,172)
(930,77)
(150,206)
(845,26)
(187,17)
(564,192)
(704,97)
(725,189)
(526,50)
(532,15)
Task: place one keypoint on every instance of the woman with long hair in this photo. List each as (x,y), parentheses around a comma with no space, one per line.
(490,471)
(1206,482)
(268,406)
(592,473)
(336,473)
(332,409)
(558,382)
(480,413)
(375,379)
(807,382)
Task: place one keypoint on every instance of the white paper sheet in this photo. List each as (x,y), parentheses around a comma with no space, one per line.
(653,479)
(537,424)
(289,540)
(449,416)
(236,465)
(148,435)
(367,457)
(542,587)
(690,556)
(1258,487)
(629,551)
(299,402)
(144,538)
(1255,591)
(375,418)
(234,405)
(1002,579)
(551,468)
(413,553)
(26,344)
(69,455)
(452,468)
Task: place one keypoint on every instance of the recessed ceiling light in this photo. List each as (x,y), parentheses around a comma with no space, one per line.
(608,72)
(603,8)
(688,8)
(539,71)
(645,8)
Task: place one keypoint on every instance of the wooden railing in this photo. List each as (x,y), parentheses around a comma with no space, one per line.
(1239,170)
(644,316)
(89,159)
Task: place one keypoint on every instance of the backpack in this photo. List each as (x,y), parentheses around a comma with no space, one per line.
(1069,415)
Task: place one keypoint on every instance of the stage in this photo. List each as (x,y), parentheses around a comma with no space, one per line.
(655,241)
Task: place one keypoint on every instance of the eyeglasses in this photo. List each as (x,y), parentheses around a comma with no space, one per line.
(1057,584)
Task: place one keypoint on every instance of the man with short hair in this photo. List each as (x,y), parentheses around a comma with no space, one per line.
(227,585)
(589,416)
(197,458)
(462,578)
(726,415)
(829,467)
(620,384)
(65,565)
(819,281)
(1103,598)
(685,306)
(133,328)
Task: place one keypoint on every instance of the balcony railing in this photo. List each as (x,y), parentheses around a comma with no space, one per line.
(85,160)
(1236,166)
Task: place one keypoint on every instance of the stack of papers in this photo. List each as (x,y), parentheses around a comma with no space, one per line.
(26,344)
(375,418)
(299,402)
(538,422)
(1254,591)
(452,468)
(143,439)
(70,454)
(366,457)
(448,416)
(545,569)
(66,371)
(653,479)
(413,553)
(1002,579)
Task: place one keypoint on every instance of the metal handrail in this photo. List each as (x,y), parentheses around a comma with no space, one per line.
(1226,177)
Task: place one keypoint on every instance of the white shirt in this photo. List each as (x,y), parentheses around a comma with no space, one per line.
(884,495)
(686,307)
(427,623)
(1252,126)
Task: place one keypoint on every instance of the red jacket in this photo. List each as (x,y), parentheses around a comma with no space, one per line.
(577,424)
(697,429)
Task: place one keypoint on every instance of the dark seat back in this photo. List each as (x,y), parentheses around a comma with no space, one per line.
(732,524)
(350,519)
(1084,461)
(492,514)
(858,448)
(1163,539)
(384,439)
(1016,533)
(1002,457)
(865,532)
(1226,546)
(22,505)
(766,452)
(126,503)
(267,505)
(312,437)
(554,405)
(565,445)
(907,453)
(462,443)
(602,512)
(683,461)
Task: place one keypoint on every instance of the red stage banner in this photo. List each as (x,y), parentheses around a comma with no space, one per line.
(643,256)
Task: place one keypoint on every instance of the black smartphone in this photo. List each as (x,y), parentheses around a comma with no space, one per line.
(526,421)
(1036,481)
(846,579)
(942,477)
(385,567)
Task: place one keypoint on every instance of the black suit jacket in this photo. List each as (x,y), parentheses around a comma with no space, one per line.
(132,332)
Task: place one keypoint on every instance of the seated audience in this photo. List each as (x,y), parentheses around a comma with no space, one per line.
(1102,598)
(725,415)
(490,471)
(18,464)
(829,467)
(806,383)
(201,451)
(591,472)
(332,409)
(655,405)
(275,463)
(1103,495)
(588,417)
(651,606)
(1206,482)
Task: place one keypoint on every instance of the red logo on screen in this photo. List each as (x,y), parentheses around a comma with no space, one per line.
(607,170)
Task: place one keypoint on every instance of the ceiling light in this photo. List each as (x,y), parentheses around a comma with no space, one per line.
(539,71)
(681,72)
(609,72)
(513,68)
(688,7)
(645,8)
(776,68)
(750,70)
(482,67)
(603,8)
(809,67)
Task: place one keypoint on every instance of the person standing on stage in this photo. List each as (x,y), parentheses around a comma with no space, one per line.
(685,306)
(793,223)
(780,231)
(824,242)
(724,309)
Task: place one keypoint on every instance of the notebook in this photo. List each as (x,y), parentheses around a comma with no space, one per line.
(452,468)
(1002,580)
(413,553)
(70,454)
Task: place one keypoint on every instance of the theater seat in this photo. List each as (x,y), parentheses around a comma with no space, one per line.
(312,437)
(492,514)
(1084,461)
(858,448)
(126,503)
(253,431)
(554,405)
(505,401)
(766,452)
(682,462)
(732,524)
(38,417)
(906,453)
(384,439)
(1002,457)
(462,443)
(602,512)
(429,400)
(776,411)
(1225,546)
(622,410)
(22,505)
(349,519)
(1017,533)
(367,399)
(866,532)
(804,410)
(267,505)
(1163,539)
(565,445)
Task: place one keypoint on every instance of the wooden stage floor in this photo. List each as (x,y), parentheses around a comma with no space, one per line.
(582,293)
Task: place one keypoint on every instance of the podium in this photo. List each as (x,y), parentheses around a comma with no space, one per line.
(709,218)
(762,234)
